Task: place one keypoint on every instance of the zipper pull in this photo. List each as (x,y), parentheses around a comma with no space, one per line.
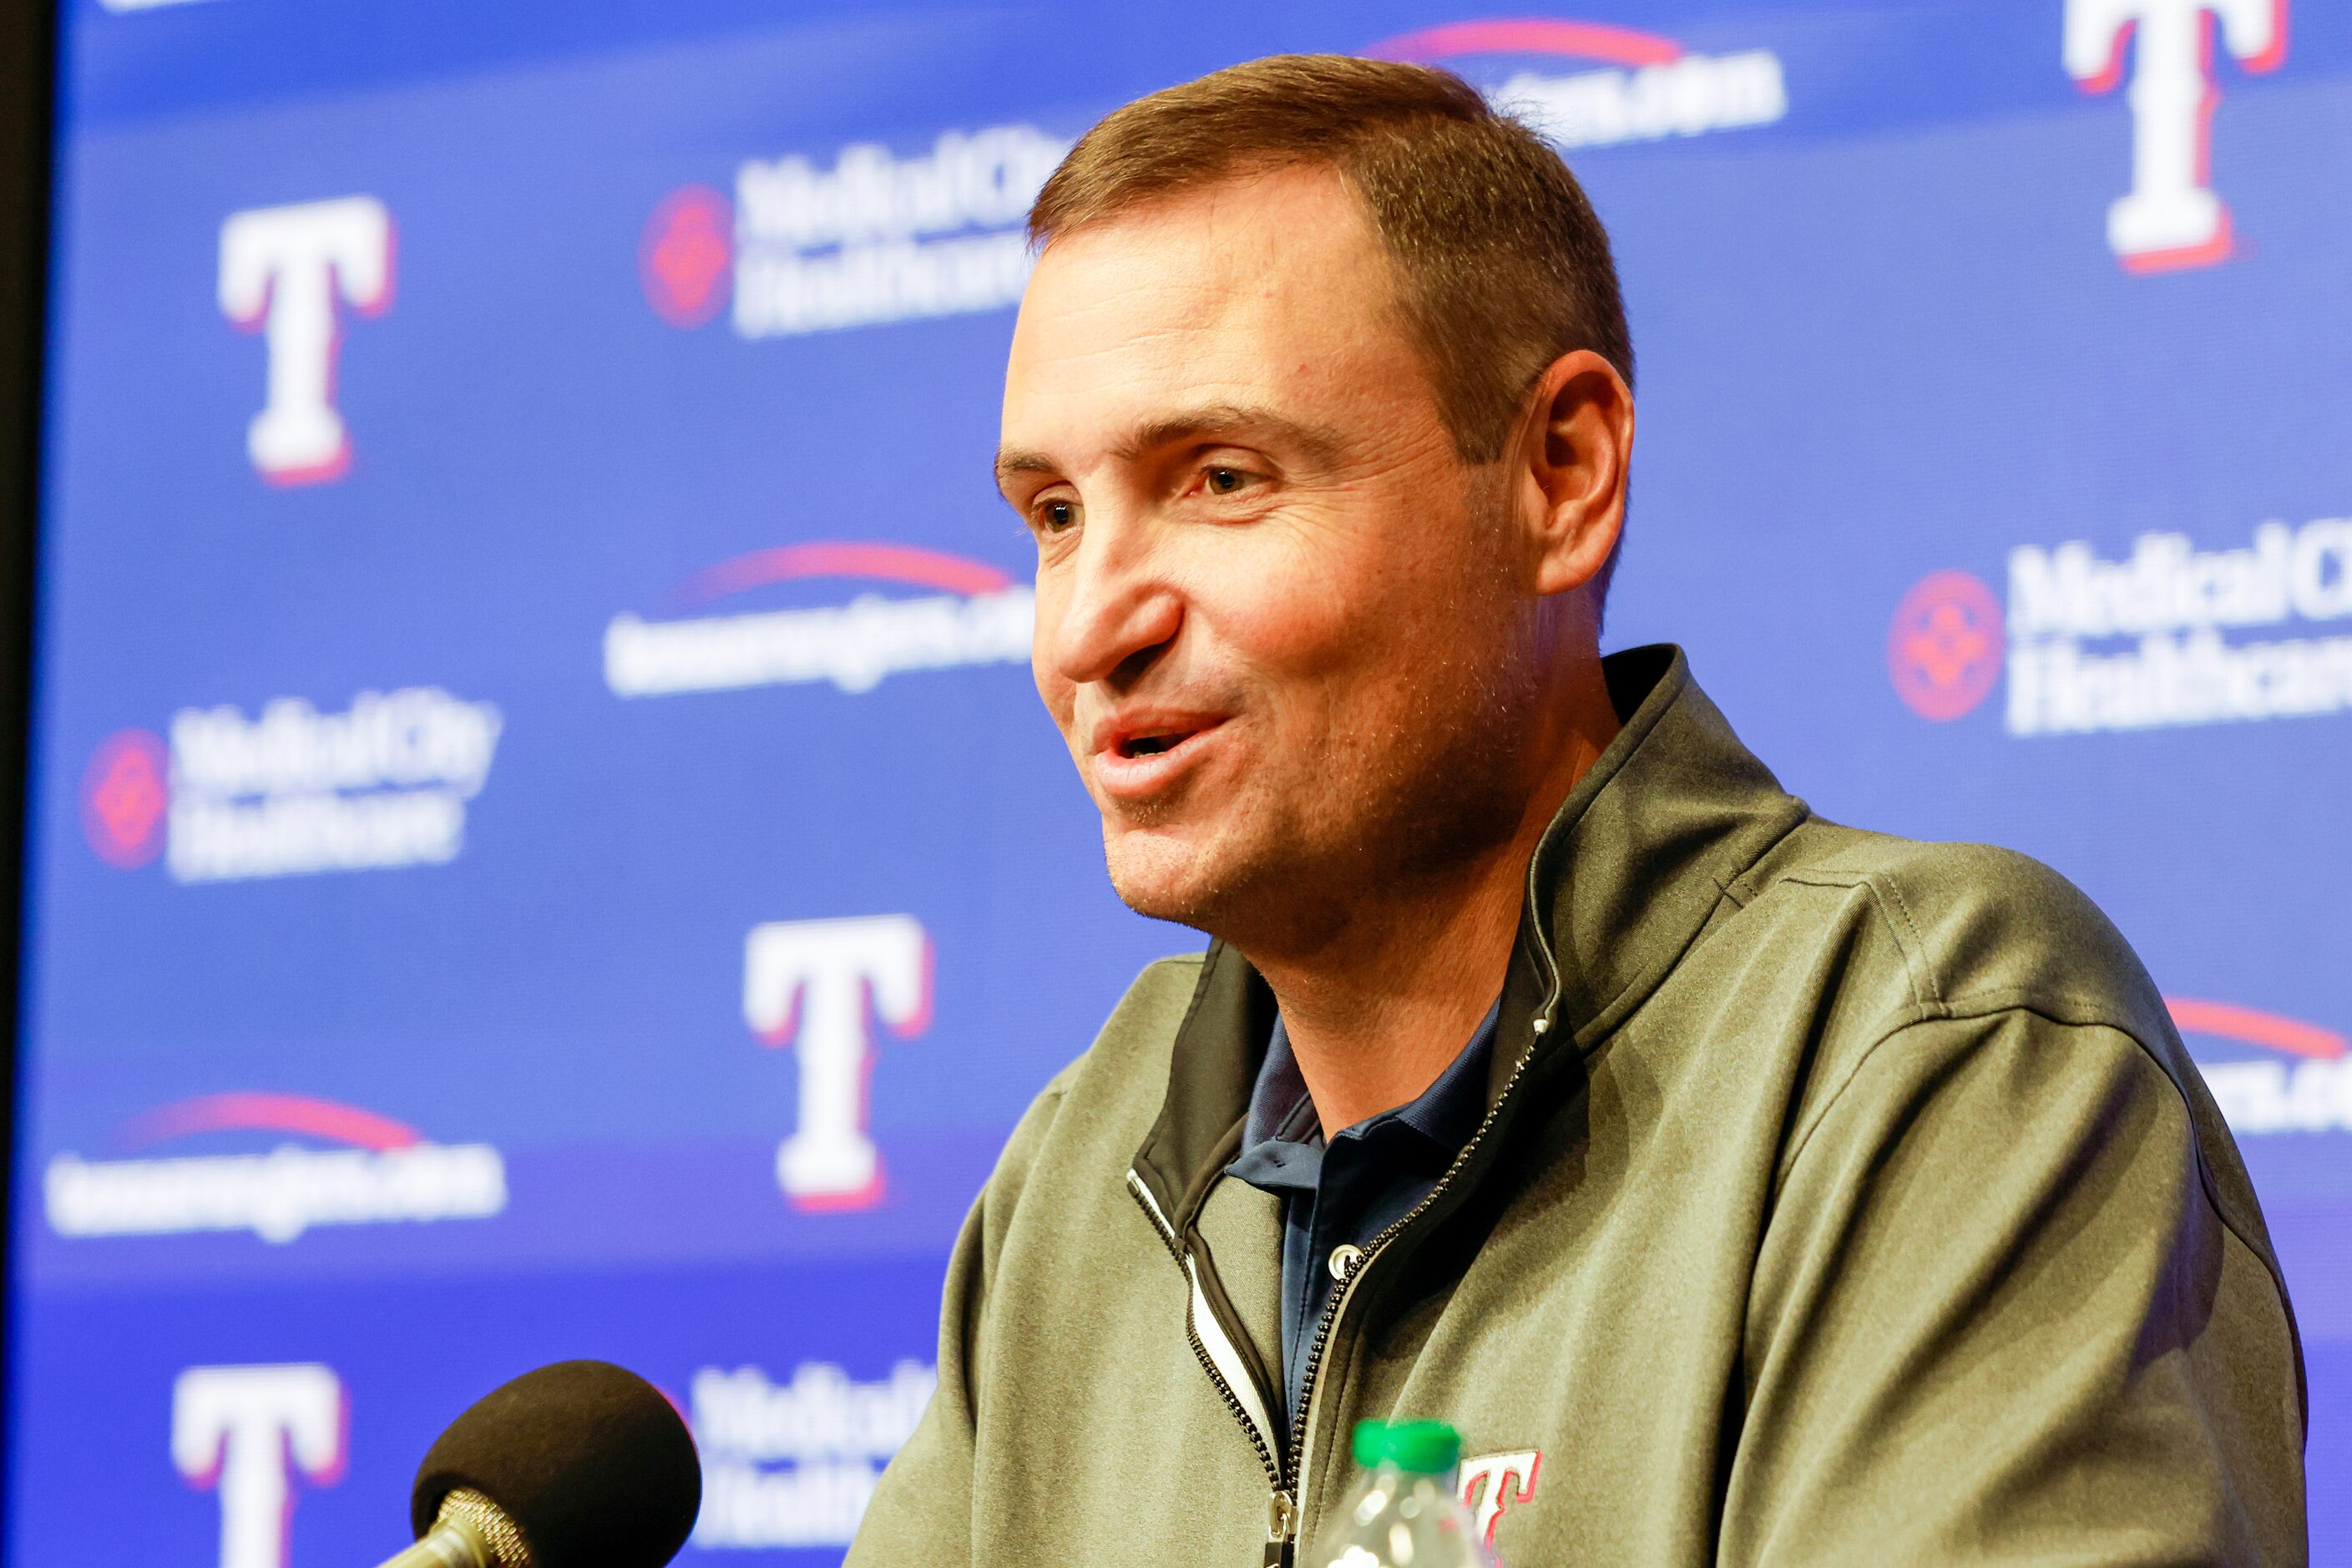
(1281,1530)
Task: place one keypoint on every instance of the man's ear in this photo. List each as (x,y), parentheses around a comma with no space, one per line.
(1575,443)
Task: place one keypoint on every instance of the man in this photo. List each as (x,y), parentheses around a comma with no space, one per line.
(1743,1187)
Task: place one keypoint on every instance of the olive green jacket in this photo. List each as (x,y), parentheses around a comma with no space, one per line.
(1840,1200)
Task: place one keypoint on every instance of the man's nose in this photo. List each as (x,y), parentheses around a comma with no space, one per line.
(1116,608)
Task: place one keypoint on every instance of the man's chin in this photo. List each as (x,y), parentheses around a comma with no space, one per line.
(1163,873)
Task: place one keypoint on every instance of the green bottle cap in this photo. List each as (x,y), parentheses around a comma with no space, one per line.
(1426,1448)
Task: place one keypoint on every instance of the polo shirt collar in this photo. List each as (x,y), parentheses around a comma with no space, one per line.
(1446,1114)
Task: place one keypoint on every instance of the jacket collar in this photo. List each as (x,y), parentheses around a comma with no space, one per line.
(1634,863)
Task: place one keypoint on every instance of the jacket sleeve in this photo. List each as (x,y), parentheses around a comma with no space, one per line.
(921,1515)
(1997,1314)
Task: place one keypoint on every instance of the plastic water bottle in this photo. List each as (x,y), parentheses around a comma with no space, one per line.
(1404,1512)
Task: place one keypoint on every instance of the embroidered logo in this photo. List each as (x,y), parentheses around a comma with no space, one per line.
(1493,1482)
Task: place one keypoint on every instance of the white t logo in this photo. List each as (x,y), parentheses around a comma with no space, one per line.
(808,983)
(2171,217)
(281,268)
(237,1428)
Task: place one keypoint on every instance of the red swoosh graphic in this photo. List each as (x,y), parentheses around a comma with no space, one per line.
(1529,36)
(843,558)
(2229,1021)
(256,1113)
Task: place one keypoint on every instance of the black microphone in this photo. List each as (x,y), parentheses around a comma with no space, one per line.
(577,1464)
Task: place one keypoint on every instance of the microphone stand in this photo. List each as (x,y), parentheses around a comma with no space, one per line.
(450,1543)
(470,1532)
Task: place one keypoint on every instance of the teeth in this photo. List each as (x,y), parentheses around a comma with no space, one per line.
(1148,745)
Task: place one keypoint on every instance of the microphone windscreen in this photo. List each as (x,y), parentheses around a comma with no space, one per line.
(589,1459)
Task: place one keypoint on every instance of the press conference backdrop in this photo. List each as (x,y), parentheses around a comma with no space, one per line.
(543,843)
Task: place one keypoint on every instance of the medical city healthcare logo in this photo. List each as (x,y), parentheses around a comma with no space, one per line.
(792,1464)
(974,615)
(282,271)
(124,794)
(1646,87)
(326,1164)
(1944,650)
(685,256)
(2171,218)
(291,791)
(2169,635)
(863,239)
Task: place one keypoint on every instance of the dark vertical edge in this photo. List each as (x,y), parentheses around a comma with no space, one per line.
(28,37)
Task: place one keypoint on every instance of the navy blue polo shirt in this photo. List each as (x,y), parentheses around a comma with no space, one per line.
(1344,1192)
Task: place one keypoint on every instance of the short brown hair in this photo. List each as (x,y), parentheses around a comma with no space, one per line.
(1502,265)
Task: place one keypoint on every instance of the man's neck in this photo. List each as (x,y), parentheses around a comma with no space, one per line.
(1375,1014)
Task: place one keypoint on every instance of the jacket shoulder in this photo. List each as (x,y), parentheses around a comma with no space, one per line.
(1985,933)
(1977,928)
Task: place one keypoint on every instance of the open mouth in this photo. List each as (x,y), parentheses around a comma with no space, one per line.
(1152,746)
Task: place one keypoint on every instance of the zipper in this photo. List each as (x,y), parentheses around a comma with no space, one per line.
(1302,1429)
(1282,1511)
(1281,1529)
(1250,1423)
(1289,1474)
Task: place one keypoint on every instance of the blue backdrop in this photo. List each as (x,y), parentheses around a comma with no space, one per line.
(543,842)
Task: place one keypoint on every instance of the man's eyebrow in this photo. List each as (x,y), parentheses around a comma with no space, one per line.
(1012,460)
(1215,421)
(1210,422)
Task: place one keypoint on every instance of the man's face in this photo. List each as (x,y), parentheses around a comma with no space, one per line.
(1276,624)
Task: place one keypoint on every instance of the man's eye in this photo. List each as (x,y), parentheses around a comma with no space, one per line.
(1057,516)
(1224,481)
